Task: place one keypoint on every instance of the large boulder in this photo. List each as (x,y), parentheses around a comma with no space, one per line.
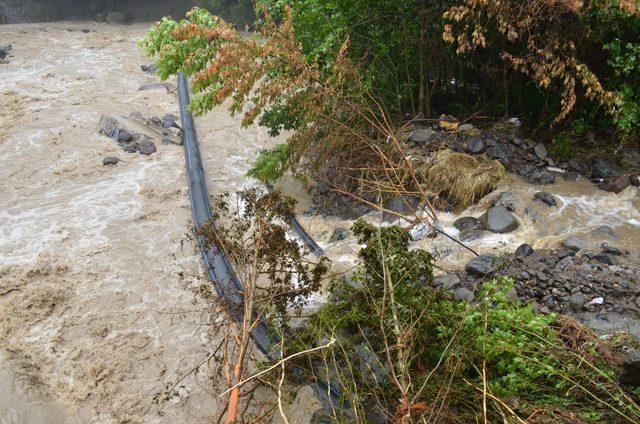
(541,151)
(604,168)
(498,219)
(616,184)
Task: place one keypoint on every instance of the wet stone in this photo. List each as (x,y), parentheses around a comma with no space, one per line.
(466,222)
(575,243)
(146,147)
(541,151)
(481,265)
(499,220)
(546,198)
(110,161)
(475,145)
(463,293)
(606,259)
(338,234)
(523,251)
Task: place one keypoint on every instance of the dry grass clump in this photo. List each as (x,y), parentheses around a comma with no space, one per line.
(462,178)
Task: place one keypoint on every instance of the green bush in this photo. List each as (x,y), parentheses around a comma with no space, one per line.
(544,365)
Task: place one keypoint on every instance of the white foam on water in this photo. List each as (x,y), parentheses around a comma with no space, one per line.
(80,210)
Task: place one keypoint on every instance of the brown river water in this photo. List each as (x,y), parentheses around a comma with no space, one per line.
(94,319)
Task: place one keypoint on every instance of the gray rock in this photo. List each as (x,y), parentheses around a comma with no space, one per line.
(130,147)
(5,50)
(630,373)
(476,146)
(402,204)
(371,368)
(508,200)
(604,168)
(546,198)
(513,294)
(124,136)
(499,220)
(338,235)
(463,293)
(422,136)
(448,281)
(523,251)
(579,166)
(466,222)
(471,234)
(575,243)
(606,259)
(607,248)
(541,178)
(541,151)
(149,69)
(576,301)
(564,264)
(482,265)
(110,161)
(500,151)
(422,231)
(108,126)
(146,147)
(169,121)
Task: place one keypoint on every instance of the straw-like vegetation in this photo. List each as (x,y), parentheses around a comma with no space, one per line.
(461,178)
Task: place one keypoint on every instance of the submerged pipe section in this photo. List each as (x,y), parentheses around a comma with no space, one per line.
(302,233)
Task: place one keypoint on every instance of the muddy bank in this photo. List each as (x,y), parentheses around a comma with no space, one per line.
(92,305)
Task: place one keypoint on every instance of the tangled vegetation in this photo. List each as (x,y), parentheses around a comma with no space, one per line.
(344,76)
(407,353)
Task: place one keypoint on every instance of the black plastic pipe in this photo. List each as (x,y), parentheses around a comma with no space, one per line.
(222,273)
(216,261)
(302,233)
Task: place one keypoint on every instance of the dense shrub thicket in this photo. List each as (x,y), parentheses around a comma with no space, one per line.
(566,67)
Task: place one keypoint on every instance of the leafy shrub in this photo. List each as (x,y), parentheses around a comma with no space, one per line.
(426,355)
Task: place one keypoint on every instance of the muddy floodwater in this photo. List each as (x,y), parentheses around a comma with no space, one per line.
(94,318)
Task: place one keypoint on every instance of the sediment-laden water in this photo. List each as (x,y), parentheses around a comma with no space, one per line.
(94,317)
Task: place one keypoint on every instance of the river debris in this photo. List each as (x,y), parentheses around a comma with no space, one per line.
(462,178)
(159,86)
